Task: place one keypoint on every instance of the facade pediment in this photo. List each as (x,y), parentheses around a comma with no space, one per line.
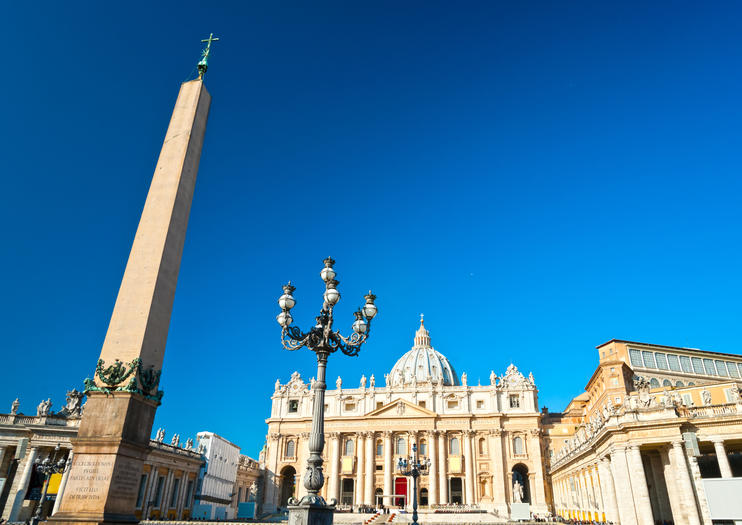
(402,409)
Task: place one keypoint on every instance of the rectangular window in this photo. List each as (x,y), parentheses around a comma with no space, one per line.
(293,406)
(514,401)
(685,363)
(648,359)
(661,360)
(710,370)
(158,491)
(480,403)
(421,403)
(721,368)
(614,381)
(189,494)
(379,467)
(636,358)
(174,493)
(698,366)
(142,487)
(732,370)
(674,362)
(731,398)
(379,404)
(687,400)
(239,495)
(452,403)
(350,406)
(379,448)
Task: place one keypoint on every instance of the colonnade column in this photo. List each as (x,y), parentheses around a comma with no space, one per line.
(3,448)
(368,493)
(442,479)
(360,456)
(433,471)
(688,503)
(14,503)
(333,485)
(610,506)
(62,483)
(639,485)
(387,467)
(722,459)
(622,483)
(469,466)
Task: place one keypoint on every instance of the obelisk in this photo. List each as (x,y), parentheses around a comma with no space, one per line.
(122,397)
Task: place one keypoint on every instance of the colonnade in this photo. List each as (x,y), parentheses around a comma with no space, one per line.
(631,487)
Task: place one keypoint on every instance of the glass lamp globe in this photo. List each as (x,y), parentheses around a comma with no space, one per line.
(369,310)
(284,319)
(327,274)
(360,326)
(332,296)
(286,302)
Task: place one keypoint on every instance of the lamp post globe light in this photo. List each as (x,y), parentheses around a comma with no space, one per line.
(50,465)
(415,468)
(323,341)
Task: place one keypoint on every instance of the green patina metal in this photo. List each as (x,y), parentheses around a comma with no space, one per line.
(141,381)
(203,65)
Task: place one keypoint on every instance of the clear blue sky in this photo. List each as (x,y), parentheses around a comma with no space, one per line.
(536,177)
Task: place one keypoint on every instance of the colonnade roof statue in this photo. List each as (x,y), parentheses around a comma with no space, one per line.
(423,364)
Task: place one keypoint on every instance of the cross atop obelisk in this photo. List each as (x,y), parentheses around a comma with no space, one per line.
(203,65)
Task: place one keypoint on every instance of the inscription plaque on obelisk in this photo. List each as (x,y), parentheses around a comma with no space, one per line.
(123,396)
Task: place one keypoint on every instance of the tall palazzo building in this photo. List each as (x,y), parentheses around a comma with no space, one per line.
(479,439)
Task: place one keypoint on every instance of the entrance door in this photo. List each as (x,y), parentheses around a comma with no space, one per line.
(457,491)
(346,492)
(400,489)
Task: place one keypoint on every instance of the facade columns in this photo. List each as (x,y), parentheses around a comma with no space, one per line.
(610,506)
(538,468)
(498,462)
(3,448)
(302,454)
(15,502)
(62,483)
(368,493)
(333,485)
(387,468)
(469,466)
(688,499)
(360,456)
(640,488)
(433,471)
(721,457)
(442,478)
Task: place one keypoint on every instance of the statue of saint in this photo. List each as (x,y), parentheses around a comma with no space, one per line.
(372,381)
(363,381)
(517,492)
(278,385)
(493,377)
(14,407)
(463,379)
(339,383)
(176,440)
(160,436)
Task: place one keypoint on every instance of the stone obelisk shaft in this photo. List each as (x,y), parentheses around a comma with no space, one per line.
(114,433)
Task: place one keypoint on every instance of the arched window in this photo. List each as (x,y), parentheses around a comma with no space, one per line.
(423,448)
(349,447)
(401,447)
(666,382)
(455,446)
(379,448)
(482,446)
(679,383)
(290,448)
(518,445)
(654,383)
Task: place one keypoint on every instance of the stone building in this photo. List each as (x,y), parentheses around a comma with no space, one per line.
(655,438)
(248,485)
(479,439)
(217,480)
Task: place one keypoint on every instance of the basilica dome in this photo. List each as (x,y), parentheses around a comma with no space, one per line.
(423,364)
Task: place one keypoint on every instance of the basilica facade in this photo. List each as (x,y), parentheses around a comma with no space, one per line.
(478,440)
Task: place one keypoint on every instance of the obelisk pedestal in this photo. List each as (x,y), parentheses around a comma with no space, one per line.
(115,430)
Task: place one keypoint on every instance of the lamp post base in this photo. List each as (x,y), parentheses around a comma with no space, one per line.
(311,513)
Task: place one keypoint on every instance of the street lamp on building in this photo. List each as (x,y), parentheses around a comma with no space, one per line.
(323,341)
(50,465)
(415,468)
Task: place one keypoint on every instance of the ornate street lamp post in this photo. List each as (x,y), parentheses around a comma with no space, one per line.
(413,468)
(312,509)
(47,467)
